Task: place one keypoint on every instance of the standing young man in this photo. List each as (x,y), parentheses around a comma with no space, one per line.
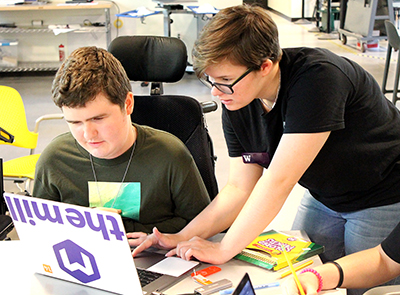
(321,120)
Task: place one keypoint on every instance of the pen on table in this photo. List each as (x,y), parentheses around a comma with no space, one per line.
(257,287)
(286,273)
(292,270)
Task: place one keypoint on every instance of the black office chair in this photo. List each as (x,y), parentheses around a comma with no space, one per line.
(393,43)
(159,60)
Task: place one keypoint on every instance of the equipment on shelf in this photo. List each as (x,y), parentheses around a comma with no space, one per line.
(364,20)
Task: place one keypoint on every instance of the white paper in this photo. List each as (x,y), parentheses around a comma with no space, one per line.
(60,29)
(173,266)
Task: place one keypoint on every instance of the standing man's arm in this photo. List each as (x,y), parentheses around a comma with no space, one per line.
(228,203)
(294,155)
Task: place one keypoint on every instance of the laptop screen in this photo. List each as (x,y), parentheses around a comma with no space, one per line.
(245,287)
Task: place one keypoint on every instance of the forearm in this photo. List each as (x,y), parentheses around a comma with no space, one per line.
(263,205)
(273,188)
(367,268)
(363,269)
(217,216)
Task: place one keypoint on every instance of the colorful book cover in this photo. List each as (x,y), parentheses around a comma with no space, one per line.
(266,250)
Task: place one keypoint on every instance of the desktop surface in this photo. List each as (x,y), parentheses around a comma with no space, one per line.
(18,278)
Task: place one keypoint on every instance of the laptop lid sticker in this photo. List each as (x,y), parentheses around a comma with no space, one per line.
(75,243)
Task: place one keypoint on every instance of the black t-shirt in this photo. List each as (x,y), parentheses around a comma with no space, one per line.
(391,244)
(358,166)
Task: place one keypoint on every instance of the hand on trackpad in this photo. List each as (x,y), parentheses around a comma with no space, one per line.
(173,266)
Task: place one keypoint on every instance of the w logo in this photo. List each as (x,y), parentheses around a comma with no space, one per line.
(76,261)
(246,158)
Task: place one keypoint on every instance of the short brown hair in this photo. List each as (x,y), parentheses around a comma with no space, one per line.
(243,34)
(87,72)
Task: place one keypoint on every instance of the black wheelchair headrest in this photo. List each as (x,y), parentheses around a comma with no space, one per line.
(151,58)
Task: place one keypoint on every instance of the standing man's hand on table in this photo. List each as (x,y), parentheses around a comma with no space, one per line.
(202,250)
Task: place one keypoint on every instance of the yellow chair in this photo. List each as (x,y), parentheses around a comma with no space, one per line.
(14,129)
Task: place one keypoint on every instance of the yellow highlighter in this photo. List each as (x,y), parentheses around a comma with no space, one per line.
(292,270)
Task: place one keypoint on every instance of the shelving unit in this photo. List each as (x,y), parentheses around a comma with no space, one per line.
(27,31)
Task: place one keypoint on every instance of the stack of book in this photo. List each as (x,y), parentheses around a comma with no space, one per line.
(266,250)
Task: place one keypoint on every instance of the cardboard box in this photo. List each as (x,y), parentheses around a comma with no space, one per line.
(8,53)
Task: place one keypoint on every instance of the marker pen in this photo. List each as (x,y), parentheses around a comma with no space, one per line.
(257,287)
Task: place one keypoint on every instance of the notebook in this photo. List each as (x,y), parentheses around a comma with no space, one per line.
(265,250)
(88,247)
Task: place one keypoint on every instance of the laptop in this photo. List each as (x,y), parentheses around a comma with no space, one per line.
(89,247)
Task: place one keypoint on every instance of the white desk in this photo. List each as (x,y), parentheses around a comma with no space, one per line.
(16,277)
(234,270)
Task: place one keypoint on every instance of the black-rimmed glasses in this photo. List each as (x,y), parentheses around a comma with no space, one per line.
(224,88)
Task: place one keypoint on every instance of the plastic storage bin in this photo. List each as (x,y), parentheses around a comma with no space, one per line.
(8,53)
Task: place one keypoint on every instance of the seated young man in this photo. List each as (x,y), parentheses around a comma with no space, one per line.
(106,161)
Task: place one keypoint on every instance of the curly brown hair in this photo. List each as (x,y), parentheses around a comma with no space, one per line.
(87,72)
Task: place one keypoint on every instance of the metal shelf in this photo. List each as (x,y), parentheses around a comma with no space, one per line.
(103,7)
(32,67)
(29,30)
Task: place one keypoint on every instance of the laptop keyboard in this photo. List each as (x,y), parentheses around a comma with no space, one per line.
(146,277)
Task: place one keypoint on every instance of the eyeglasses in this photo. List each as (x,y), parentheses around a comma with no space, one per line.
(224,88)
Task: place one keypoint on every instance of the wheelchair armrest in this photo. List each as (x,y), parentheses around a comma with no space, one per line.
(209,106)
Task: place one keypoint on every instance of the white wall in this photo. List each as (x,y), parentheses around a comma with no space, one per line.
(44,46)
